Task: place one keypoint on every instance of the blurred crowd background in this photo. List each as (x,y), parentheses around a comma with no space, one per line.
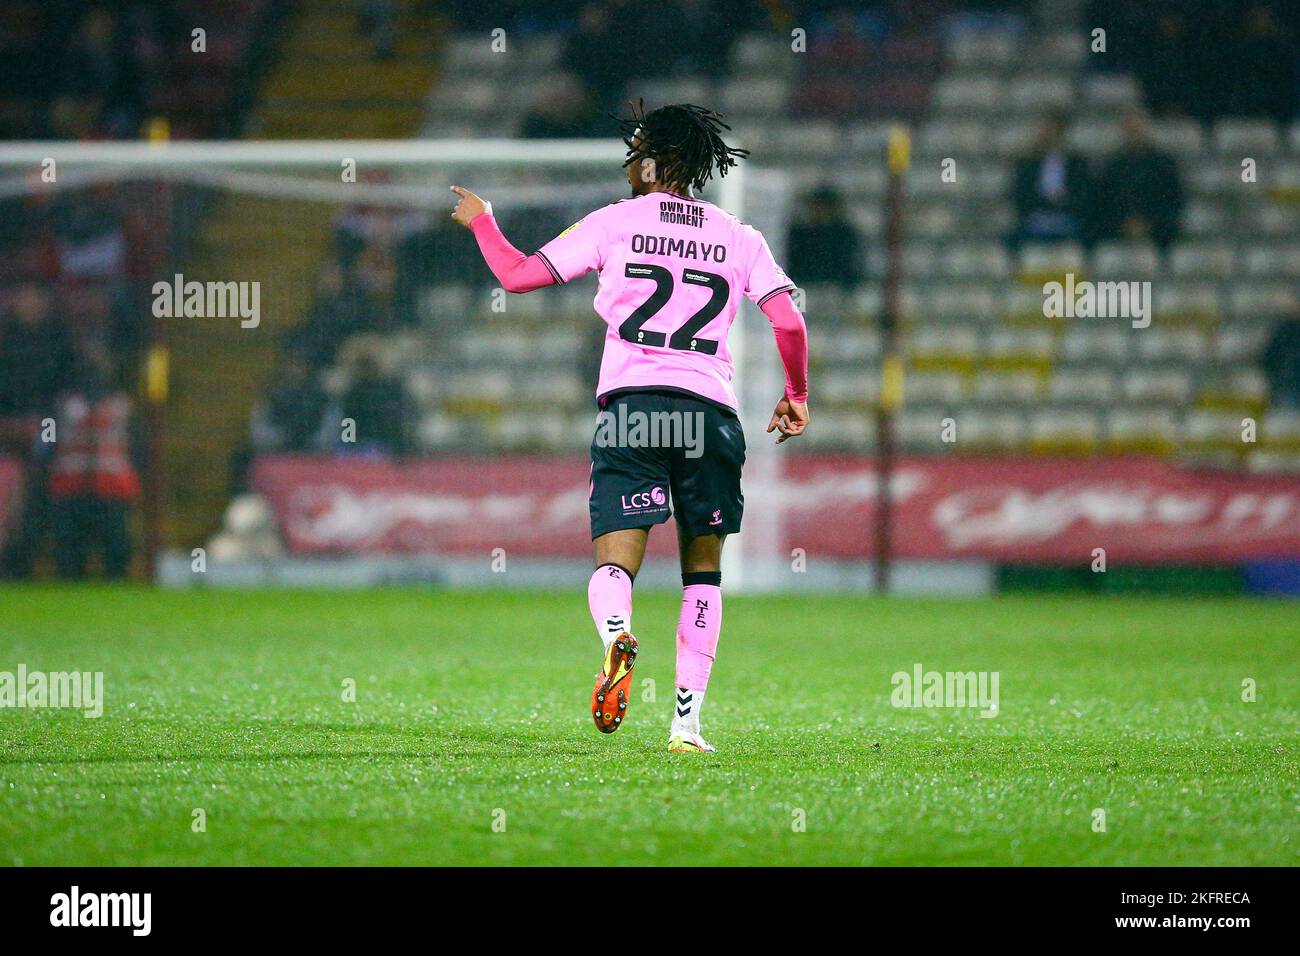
(1119,161)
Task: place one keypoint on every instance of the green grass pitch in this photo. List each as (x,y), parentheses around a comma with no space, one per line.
(471,708)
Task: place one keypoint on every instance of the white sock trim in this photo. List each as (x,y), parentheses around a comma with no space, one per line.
(686,709)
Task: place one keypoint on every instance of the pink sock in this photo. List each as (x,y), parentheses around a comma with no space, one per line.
(609,595)
(697,634)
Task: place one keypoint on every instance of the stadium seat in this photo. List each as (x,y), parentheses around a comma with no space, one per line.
(981,429)
(957,138)
(1273,220)
(1189,301)
(1164,345)
(1007,386)
(1021,348)
(847,387)
(1095,137)
(1205,217)
(968,93)
(975,260)
(1272,260)
(1084,344)
(1170,384)
(1011,139)
(1182,137)
(1039,93)
(1063,430)
(1261,300)
(1202,259)
(932,220)
(921,428)
(842,430)
(1209,428)
(758,54)
(1092,384)
(986,51)
(1125,261)
(1141,430)
(953,301)
(1265,462)
(938,346)
(763,96)
(1111,92)
(1280,430)
(1040,262)
(1236,343)
(1062,50)
(922,387)
(1237,136)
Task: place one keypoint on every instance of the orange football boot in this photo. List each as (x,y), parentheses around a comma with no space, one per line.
(613,684)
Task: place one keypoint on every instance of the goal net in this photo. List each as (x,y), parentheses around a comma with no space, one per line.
(330,385)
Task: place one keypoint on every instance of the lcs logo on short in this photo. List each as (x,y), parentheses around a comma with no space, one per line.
(645,500)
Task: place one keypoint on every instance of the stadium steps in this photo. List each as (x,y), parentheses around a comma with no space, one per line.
(326,85)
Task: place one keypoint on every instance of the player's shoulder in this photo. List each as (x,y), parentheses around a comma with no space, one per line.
(599,220)
(607,215)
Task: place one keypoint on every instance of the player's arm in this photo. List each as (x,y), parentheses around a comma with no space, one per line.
(515,271)
(791,414)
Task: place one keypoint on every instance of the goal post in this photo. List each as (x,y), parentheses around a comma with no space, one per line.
(273,212)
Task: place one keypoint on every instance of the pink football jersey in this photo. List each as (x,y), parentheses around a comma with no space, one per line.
(672,271)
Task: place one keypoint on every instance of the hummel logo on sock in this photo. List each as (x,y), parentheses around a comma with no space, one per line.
(684,699)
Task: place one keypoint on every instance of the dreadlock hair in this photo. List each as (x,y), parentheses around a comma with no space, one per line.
(684,140)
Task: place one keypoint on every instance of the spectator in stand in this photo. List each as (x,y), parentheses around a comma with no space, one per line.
(37,363)
(1281,362)
(597,54)
(565,110)
(1139,190)
(89,239)
(289,420)
(1167,66)
(36,355)
(378,20)
(291,417)
(1050,190)
(1265,78)
(98,82)
(376,404)
(708,31)
(93,478)
(825,247)
(341,310)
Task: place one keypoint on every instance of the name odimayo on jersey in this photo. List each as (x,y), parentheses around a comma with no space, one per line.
(679,248)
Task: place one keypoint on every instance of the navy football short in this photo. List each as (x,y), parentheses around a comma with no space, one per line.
(659,452)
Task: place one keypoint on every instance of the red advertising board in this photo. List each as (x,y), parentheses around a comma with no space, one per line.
(1140,510)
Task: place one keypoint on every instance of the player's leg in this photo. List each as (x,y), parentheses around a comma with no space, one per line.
(629,494)
(709,505)
(618,557)
(609,596)
(698,627)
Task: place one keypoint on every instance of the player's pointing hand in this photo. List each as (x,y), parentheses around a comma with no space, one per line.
(469,207)
(789,418)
